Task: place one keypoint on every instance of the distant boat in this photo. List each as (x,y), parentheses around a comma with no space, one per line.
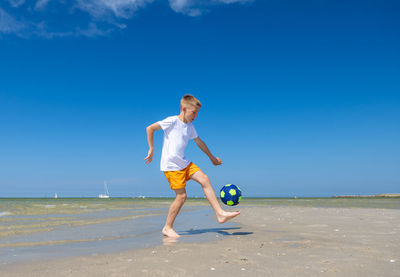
(106,193)
(55,195)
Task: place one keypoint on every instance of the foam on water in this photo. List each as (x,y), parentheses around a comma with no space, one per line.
(5,213)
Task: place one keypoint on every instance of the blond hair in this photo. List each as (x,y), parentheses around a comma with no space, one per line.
(189,100)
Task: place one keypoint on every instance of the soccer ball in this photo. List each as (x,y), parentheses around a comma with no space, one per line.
(230,195)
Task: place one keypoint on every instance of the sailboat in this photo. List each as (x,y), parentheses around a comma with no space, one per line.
(55,195)
(106,193)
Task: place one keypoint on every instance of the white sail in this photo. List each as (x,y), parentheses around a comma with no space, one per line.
(106,193)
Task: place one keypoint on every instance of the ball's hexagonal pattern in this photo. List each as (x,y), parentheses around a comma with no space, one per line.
(230,195)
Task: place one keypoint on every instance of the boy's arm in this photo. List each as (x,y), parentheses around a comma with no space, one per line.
(150,139)
(201,144)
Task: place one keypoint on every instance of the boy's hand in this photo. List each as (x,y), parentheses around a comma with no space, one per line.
(216,161)
(149,157)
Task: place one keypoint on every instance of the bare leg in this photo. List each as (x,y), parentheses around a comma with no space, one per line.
(173,212)
(204,181)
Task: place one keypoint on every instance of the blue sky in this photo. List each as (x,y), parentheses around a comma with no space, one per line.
(299,97)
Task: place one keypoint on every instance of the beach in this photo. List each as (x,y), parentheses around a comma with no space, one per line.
(265,240)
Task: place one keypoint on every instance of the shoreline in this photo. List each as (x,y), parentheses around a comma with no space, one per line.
(196,197)
(269,240)
(384,195)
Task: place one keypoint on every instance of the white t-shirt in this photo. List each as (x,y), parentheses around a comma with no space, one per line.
(176,136)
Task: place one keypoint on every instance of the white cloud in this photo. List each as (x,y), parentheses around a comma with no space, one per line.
(189,7)
(16,3)
(104,16)
(9,24)
(92,31)
(41,30)
(119,8)
(198,7)
(41,4)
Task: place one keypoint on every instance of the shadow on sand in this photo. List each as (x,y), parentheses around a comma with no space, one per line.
(222,231)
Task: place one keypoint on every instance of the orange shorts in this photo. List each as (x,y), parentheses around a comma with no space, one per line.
(177,179)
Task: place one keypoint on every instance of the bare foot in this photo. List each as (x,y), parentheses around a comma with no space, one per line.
(169,232)
(225,216)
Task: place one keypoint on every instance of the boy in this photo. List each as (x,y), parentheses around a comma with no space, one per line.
(178,130)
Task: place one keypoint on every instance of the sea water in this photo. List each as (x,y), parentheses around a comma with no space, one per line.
(37,229)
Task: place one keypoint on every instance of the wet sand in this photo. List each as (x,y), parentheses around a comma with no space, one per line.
(271,241)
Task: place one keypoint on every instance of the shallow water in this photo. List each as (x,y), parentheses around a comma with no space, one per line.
(43,228)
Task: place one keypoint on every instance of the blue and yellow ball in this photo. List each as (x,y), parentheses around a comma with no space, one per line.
(230,195)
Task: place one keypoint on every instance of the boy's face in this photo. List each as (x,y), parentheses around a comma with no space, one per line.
(191,113)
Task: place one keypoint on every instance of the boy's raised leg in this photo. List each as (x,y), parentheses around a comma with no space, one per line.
(204,181)
(174,209)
